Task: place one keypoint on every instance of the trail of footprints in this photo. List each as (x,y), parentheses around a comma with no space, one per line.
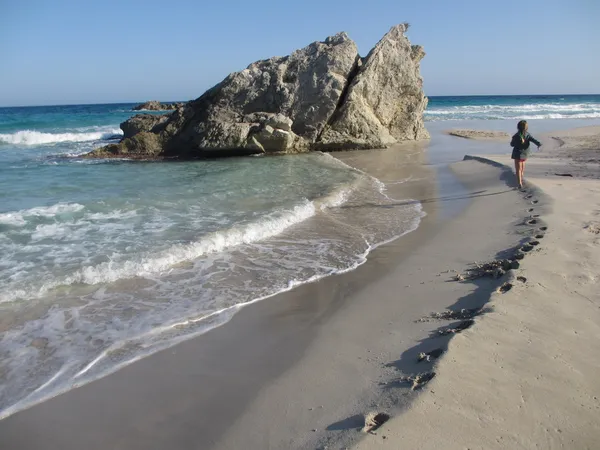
(494,269)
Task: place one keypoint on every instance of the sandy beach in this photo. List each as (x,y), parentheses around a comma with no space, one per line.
(525,376)
(457,357)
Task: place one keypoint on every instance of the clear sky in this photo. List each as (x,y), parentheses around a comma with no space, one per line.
(105,51)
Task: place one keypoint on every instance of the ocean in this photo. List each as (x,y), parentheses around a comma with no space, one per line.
(104,262)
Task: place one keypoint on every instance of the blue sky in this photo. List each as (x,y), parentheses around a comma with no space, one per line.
(65,52)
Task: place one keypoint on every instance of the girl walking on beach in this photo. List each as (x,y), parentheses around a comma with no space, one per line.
(520,144)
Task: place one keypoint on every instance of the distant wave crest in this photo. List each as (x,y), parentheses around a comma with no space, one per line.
(515,111)
(32,137)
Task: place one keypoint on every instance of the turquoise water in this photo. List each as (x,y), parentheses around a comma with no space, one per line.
(104,262)
(514,107)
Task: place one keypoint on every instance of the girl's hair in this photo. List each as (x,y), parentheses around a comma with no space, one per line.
(522,126)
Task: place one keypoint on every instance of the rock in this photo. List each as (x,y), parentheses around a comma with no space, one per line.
(154,105)
(270,139)
(299,92)
(385,101)
(144,145)
(280,121)
(320,97)
(142,122)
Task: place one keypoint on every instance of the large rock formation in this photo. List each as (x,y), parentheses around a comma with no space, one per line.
(385,101)
(321,97)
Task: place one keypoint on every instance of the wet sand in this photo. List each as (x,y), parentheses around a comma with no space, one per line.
(300,370)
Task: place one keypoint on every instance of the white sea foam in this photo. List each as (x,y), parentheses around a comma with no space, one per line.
(120,266)
(526,111)
(147,343)
(212,243)
(112,215)
(32,137)
(15,219)
(19,218)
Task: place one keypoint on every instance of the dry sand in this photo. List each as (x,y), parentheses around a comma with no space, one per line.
(526,375)
(573,152)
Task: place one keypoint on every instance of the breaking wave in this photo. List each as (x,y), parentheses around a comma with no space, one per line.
(32,137)
(123,266)
(515,111)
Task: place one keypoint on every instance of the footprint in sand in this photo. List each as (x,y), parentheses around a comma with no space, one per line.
(422,379)
(593,228)
(374,420)
(505,288)
(543,228)
(457,329)
(530,210)
(418,381)
(527,248)
(534,202)
(529,196)
(534,243)
(531,222)
(539,236)
(522,279)
(430,356)
(454,315)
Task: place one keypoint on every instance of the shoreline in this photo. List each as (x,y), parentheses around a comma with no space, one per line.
(222,316)
(291,354)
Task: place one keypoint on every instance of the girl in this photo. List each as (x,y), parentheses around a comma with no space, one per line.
(520,144)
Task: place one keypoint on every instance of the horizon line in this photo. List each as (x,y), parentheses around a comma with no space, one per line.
(186,101)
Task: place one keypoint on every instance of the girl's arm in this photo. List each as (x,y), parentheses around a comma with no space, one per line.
(535,141)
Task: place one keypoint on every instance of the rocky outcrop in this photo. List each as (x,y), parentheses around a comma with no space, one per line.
(154,105)
(385,101)
(322,97)
(143,122)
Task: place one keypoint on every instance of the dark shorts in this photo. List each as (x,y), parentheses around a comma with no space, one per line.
(519,155)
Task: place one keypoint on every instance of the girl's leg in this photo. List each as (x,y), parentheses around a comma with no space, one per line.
(522,171)
(518,172)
